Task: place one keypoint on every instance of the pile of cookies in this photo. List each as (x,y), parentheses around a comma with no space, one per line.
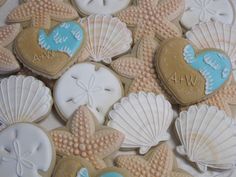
(116,73)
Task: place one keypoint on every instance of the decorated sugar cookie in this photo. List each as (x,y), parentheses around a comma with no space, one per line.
(26,151)
(88,7)
(89,84)
(40,14)
(84,138)
(183,70)
(8,62)
(50,52)
(197,11)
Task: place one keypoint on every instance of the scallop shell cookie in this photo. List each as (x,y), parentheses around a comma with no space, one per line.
(202,72)
(8,62)
(197,11)
(50,52)
(153,17)
(41,14)
(157,163)
(23,99)
(88,7)
(84,138)
(90,84)
(143,118)
(107,37)
(26,151)
(207,137)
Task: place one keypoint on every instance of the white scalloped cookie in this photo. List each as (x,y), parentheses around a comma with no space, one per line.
(88,7)
(26,151)
(88,84)
(197,11)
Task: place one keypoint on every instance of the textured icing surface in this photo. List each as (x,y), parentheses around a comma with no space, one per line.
(67,37)
(24,154)
(101,6)
(98,88)
(197,11)
(83,172)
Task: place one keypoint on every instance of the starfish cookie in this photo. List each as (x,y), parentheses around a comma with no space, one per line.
(85,139)
(139,67)
(8,62)
(41,11)
(153,17)
(157,163)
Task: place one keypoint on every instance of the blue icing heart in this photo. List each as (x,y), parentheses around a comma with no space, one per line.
(83,172)
(66,37)
(213,65)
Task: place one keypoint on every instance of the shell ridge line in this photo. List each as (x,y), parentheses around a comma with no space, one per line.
(3,105)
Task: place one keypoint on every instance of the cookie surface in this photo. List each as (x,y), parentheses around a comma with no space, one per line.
(50,53)
(26,154)
(88,7)
(184,71)
(90,84)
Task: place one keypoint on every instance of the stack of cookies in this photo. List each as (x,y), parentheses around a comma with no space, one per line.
(139,88)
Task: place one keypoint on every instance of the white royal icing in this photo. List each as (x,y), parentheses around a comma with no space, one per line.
(24,151)
(197,11)
(82,84)
(101,6)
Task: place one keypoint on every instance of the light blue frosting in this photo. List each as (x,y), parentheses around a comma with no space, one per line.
(213,65)
(83,172)
(66,37)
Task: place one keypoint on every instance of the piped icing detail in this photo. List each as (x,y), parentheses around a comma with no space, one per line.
(214,66)
(67,38)
(83,172)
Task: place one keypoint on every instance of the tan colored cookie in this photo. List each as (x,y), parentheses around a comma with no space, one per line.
(85,138)
(157,163)
(153,17)
(139,68)
(8,62)
(41,59)
(189,75)
(180,173)
(40,12)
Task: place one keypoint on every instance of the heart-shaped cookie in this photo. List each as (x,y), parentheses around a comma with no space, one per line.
(189,75)
(50,53)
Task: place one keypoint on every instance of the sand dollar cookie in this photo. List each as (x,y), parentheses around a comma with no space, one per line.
(49,53)
(190,75)
(26,151)
(87,7)
(89,84)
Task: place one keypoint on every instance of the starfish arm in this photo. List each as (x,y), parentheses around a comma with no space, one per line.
(144,3)
(107,140)
(41,21)
(141,31)
(82,123)
(8,62)
(21,13)
(62,11)
(129,16)
(171,8)
(62,141)
(97,162)
(136,165)
(129,67)
(8,33)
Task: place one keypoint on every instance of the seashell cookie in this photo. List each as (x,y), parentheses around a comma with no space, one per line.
(107,37)
(23,99)
(215,35)
(207,137)
(84,138)
(40,14)
(143,118)
(88,7)
(157,163)
(26,151)
(90,84)
(8,62)
(197,11)
(153,17)
(50,53)
(184,70)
